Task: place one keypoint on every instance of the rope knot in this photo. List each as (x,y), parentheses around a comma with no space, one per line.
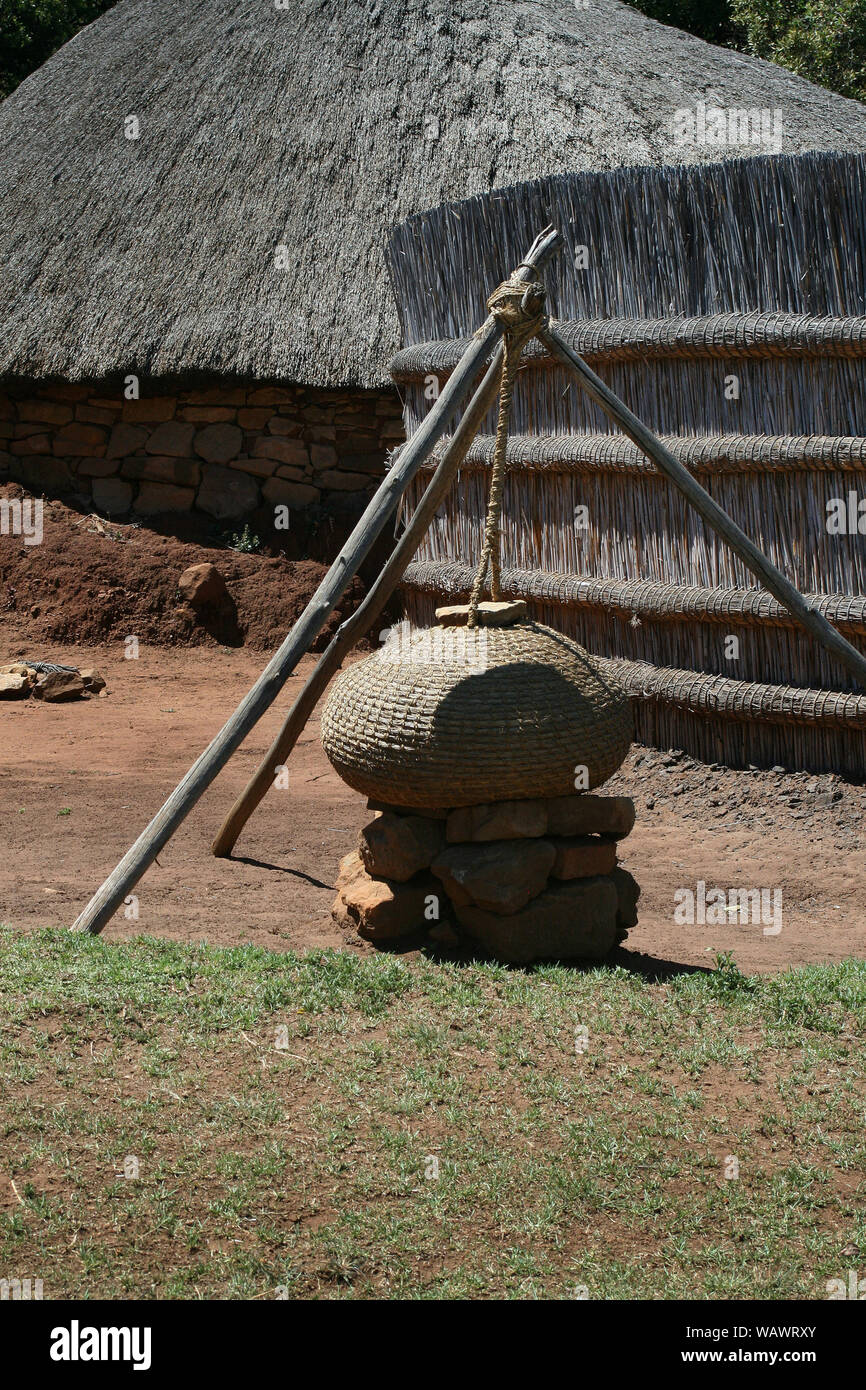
(519,307)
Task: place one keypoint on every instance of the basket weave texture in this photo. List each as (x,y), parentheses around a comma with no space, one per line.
(456,717)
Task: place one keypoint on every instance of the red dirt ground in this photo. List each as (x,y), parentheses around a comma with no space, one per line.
(80,780)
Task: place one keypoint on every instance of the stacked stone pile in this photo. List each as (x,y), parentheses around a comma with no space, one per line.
(45,680)
(527,880)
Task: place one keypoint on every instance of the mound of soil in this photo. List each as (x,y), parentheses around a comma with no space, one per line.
(92,581)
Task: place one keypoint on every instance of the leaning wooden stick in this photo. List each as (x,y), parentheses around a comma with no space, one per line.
(364,615)
(141,855)
(773,579)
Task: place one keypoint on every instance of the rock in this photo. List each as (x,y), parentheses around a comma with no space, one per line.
(585,814)
(226,492)
(112,495)
(282,493)
(82,441)
(15,668)
(379,909)
(444,935)
(163,497)
(162,468)
(92,679)
(499,877)
(337,480)
(291,451)
(202,584)
(399,846)
(172,438)
(490,614)
(47,412)
(151,411)
(504,820)
(14,687)
(583,857)
(53,686)
(627,892)
(218,443)
(567,920)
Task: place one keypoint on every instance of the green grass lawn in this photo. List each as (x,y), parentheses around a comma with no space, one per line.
(343,1127)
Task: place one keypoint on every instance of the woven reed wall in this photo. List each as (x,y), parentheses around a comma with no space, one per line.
(754,269)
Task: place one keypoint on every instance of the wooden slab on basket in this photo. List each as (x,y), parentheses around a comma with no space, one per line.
(489,614)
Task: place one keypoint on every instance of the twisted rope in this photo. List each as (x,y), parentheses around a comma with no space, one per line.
(520,310)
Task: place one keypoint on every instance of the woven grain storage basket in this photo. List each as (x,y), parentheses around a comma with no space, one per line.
(454,717)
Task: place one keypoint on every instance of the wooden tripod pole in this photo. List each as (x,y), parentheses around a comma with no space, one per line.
(159,831)
(364,615)
(753,558)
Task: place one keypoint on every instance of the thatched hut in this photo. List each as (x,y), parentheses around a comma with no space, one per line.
(195,309)
(726,305)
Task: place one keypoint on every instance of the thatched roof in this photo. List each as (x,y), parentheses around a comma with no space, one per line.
(317,127)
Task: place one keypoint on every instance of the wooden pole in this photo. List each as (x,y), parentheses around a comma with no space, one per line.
(755,560)
(364,615)
(159,831)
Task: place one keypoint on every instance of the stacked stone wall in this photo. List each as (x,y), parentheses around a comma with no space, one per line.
(225,450)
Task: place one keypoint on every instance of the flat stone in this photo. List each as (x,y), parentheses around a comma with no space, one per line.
(253,419)
(586,814)
(125,439)
(397,847)
(207,414)
(180,472)
(583,857)
(150,411)
(282,492)
(172,438)
(14,687)
(490,614)
(379,909)
(218,443)
(335,480)
(46,412)
(53,686)
(627,892)
(201,584)
(502,820)
(499,877)
(154,498)
(566,921)
(226,492)
(290,451)
(80,441)
(112,495)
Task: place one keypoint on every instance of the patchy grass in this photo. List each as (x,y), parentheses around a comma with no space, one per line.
(286,1116)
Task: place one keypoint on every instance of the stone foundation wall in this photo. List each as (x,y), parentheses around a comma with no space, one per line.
(227,450)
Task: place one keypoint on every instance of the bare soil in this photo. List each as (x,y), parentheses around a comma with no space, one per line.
(80,780)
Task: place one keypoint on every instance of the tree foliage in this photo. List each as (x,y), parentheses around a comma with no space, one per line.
(31,30)
(823,40)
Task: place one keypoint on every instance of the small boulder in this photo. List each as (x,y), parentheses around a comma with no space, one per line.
(567,920)
(14,686)
(379,909)
(583,857)
(399,846)
(93,681)
(585,814)
(503,820)
(499,877)
(53,686)
(201,584)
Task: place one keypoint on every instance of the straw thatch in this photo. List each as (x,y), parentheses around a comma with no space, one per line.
(316,127)
(754,270)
